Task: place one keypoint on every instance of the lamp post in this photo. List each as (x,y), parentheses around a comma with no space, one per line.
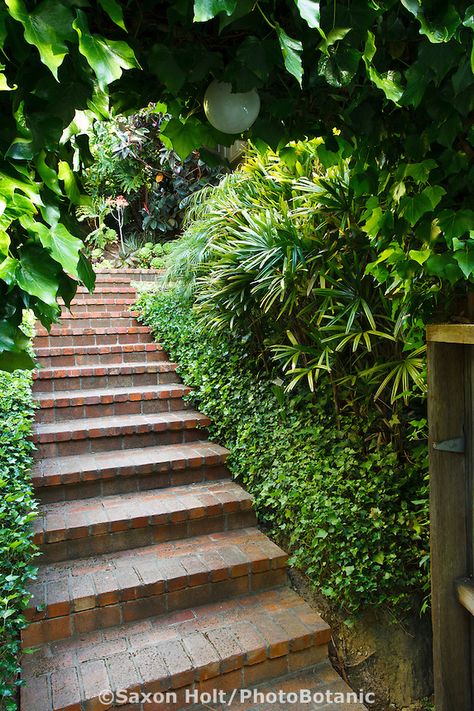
(230,112)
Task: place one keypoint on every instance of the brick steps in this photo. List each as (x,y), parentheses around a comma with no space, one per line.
(126,276)
(92,301)
(93,336)
(119,432)
(68,529)
(110,375)
(152,576)
(107,402)
(95,593)
(90,320)
(114,472)
(99,355)
(317,681)
(232,644)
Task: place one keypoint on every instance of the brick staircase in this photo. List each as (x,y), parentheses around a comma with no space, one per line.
(153,575)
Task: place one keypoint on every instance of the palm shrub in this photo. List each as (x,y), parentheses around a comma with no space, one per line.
(277,253)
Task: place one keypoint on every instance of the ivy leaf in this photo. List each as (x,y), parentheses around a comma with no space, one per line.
(164,64)
(469,17)
(185,137)
(207,9)
(291,50)
(37,274)
(419,255)
(107,58)
(64,247)
(412,208)
(8,270)
(70,185)
(455,223)
(85,272)
(310,12)
(336,34)
(439,29)
(47,27)
(339,68)
(465,259)
(388,82)
(114,11)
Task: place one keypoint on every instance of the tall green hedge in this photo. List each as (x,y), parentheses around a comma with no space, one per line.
(353,512)
(17,509)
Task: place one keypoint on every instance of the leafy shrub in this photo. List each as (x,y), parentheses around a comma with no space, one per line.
(132,160)
(17,509)
(353,509)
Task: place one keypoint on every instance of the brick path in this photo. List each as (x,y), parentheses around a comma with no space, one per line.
(153,576)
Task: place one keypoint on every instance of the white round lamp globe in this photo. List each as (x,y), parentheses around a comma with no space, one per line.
(229,112)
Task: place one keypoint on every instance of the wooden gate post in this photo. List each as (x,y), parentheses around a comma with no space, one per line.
(450,406)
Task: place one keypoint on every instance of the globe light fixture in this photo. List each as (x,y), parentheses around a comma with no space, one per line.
(230,112)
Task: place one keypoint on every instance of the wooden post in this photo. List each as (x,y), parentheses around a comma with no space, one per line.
(450,399)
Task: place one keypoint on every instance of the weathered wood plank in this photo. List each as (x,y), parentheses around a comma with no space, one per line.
(465,590)
(451,333)
(450,518)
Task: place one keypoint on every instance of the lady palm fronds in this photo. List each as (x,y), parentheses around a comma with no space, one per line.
(275,251)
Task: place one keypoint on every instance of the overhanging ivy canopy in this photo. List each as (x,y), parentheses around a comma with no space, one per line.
(387,83)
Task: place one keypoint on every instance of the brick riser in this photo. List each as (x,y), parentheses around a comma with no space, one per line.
(67,405)
(130,374)
(152,575)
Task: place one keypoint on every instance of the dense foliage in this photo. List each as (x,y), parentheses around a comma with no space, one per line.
(280,253)
(17,509)
(393,76)
(132,162)
(354,512)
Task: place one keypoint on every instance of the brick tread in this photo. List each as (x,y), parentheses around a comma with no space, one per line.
(82,518)
(317,680)
(244,636)
(86,467)
(70,316)
(74,398)
(91,428)
(99,371)
(63,588)
(44,352)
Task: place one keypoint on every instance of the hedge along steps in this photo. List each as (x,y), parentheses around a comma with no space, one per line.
(178,588)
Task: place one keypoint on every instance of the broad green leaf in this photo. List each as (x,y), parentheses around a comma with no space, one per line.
(309,11)
(419,171)
(107,58)
(21,149)
(12,338)
(456,223)
(10,184)
(37,274)
(336,34)
(291,50)
(388,82)
(185,137)
(414,207)
(469,17)
(3,80)
(419,255)
(4,242)
(465,259)
(85,272)
(164,64)
(63,246)
(374,222)
(207,9)
(47,27)
(114,11)
(47,174)
(71,188)
(8,270)
(17,360)
(339,68)
(439,28)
